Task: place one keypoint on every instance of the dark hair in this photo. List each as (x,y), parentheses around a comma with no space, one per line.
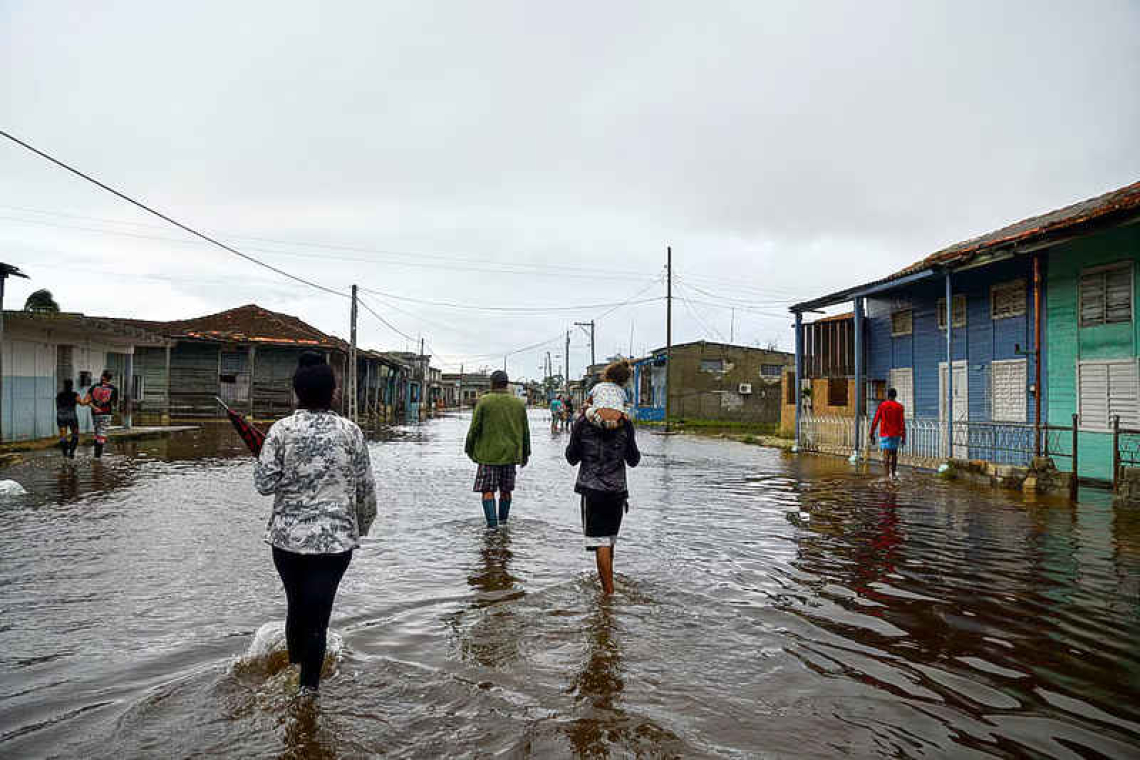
(891,393)
(314,381)
(107,375)
(618,372)
(68,385)
(499,379)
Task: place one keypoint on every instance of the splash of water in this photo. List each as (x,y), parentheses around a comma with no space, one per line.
(268,653)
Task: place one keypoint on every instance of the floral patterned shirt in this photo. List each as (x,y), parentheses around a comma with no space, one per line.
(316,465)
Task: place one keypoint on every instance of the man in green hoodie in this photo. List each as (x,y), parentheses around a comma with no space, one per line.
(498,440)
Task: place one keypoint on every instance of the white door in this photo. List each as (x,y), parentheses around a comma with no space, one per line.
(961,408)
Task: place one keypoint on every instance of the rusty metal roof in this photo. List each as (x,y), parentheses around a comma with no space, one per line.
(245,324)
(1055,226)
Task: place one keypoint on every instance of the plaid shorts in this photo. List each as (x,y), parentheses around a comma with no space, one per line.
(495,477)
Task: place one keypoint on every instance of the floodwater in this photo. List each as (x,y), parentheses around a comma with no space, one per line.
(766,606)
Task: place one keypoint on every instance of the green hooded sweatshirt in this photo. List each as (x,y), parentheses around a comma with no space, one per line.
(499,432)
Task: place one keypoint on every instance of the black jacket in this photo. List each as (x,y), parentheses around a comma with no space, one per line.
(603,455)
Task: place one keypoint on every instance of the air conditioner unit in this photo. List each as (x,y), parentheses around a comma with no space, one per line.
(745,389)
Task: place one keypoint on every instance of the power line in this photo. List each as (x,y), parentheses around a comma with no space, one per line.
(166,218)
(515,267)
(509,309)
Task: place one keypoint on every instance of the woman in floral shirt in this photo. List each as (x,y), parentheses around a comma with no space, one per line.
(315,464)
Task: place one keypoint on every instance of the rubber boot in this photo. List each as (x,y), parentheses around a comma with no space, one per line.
(72,446)
(98,450)
(489,513)
(63,446)
(504,509)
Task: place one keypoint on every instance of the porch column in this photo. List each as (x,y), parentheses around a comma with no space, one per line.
(798,395)
(858,327)
(949,369)
(252,370)
(166,410)
(129,388)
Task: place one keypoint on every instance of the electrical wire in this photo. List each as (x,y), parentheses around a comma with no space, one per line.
(508,309)
(166,218)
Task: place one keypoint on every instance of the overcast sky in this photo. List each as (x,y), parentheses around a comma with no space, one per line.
(505,155)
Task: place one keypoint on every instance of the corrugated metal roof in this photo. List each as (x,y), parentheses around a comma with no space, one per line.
(245,324)
(1117,204)
(114,330)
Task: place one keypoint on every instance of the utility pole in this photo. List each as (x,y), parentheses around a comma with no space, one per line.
(460,394)
(352,362)
(566,377)
(732,327)
(590,324)
(668,333)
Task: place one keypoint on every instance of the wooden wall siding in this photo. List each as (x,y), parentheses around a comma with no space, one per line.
(982,341)
(150,364)
(194,380)
(829,348)
(1068,343)
(273,381)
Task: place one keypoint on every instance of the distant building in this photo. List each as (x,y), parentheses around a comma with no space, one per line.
(711,381)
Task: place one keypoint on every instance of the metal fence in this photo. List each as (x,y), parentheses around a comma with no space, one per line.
(927,445)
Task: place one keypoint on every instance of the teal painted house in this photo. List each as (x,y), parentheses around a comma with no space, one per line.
(1091,331)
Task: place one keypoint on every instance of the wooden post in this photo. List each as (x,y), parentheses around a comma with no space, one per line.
(1076,464)
(167,414)
(668,333)
(252,370)
(129,389)
(1115,453)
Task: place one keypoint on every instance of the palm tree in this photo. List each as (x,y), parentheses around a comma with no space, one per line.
(41,302)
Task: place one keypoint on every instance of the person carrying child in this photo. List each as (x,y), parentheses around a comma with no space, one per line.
(603,443)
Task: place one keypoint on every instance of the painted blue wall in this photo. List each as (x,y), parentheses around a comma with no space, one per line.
(982,341)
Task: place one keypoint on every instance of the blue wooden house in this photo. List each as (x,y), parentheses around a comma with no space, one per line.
(962,337)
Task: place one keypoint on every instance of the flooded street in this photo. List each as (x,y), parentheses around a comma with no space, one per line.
(766,606)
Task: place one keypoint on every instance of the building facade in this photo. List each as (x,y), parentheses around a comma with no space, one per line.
(710,382)
(1004,347)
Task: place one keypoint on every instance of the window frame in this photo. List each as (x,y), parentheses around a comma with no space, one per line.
(838,382)
(779,370)
(1081,424)
(1021,286)
(723,364)
(940,311)
(1103,271)
(910,323)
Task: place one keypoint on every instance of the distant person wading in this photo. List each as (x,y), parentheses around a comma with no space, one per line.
(102,399)
(316,466)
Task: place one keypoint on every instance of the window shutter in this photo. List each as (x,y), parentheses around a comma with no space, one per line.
(1093,401)
(902,322)
(1008,300)
(1092,299)
(837,391)
(1118,295)
(959,312)
(1123,394)
(1008,381)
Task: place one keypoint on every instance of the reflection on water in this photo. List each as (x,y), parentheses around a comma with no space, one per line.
(767,604)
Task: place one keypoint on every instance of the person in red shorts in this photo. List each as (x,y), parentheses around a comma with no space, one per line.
(891,421)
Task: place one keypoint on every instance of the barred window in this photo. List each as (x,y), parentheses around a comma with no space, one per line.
(771,370)
(902,322)
(1007,300)
(1106,295)
(959,312)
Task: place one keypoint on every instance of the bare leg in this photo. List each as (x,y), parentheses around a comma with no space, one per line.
(887,462)
(605,559)
(895,463)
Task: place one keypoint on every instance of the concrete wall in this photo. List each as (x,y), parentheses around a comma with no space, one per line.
(701,393)
(1069,343)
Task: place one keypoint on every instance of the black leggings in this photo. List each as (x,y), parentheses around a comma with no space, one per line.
(310,583)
